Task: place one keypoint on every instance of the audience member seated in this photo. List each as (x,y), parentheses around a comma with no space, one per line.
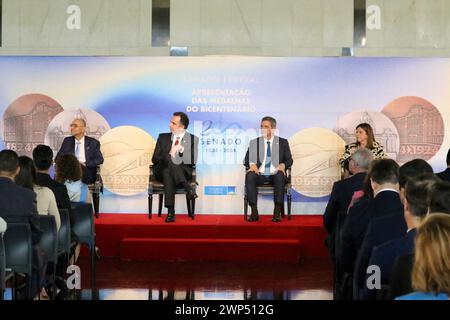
(386,201)
(389,227)
(412,169)
(43,160)
(445,175)
(400,281)
(18,205)
(363,195)
(46,202)
(68,171)
(415,206)
(343,191)
(439,199)
(431,271)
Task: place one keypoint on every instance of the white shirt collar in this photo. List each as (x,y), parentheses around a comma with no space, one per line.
(266,140)
(81,140)
(181,136)
(385,189)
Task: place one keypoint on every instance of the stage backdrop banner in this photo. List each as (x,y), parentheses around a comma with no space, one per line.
(317,102)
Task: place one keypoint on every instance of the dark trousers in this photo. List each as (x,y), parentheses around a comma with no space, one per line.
(172,176)
(252,180)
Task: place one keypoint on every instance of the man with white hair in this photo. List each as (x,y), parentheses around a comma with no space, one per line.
(342,192)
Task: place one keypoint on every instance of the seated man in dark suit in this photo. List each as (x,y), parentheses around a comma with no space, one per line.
(266,160)
(415,205)
(343,190)
(439,200)
(43,160)
(445,175)
(401,272)
(384,180)
(18,205)
(86,149)
(174,157)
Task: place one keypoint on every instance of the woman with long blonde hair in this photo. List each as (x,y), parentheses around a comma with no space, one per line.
(431,271)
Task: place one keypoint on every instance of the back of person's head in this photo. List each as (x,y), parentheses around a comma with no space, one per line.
(439,197)
(431,271)
(448,157)
(42,157)
(413,169)
(27,175)
(9,161)
(417,190)
(384,171)
(67,168)
(362,158)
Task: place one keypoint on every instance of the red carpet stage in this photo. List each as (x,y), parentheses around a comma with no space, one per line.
(210,238)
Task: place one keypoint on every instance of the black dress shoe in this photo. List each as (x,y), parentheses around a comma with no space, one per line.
(254,216)
(277,213)
(170,217)
(276,218)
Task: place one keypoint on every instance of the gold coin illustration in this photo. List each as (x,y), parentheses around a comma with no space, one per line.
(315,152)
(127,151)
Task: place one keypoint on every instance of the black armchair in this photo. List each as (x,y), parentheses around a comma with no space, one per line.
(157,187)
(18,253)
(268,189)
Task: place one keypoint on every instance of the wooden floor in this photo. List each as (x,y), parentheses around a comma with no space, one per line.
(311,279)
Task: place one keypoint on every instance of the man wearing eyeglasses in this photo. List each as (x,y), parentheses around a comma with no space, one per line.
(86,149)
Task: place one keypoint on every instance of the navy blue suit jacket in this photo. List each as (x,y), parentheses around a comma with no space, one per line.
(281,152)
(378,232)
(357,222)
(340,198)
(18,205)
(92,152)
(385,254)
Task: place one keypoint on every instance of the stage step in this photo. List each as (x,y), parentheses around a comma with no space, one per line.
(176,249)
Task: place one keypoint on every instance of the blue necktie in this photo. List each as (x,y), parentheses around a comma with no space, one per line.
(77,149)
(268,160)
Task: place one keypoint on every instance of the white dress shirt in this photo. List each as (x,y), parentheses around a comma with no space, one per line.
(385,189)
(180,137)
(262,168)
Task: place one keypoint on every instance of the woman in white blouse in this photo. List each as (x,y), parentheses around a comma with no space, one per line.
(46,201)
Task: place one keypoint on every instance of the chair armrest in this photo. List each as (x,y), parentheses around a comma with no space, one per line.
(288,175)
(194,174)
(151,176)
(97,186)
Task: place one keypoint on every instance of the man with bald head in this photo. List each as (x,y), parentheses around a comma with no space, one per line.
(86,149)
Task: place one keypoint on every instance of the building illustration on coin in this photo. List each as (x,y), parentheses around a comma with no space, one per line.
(25,122)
